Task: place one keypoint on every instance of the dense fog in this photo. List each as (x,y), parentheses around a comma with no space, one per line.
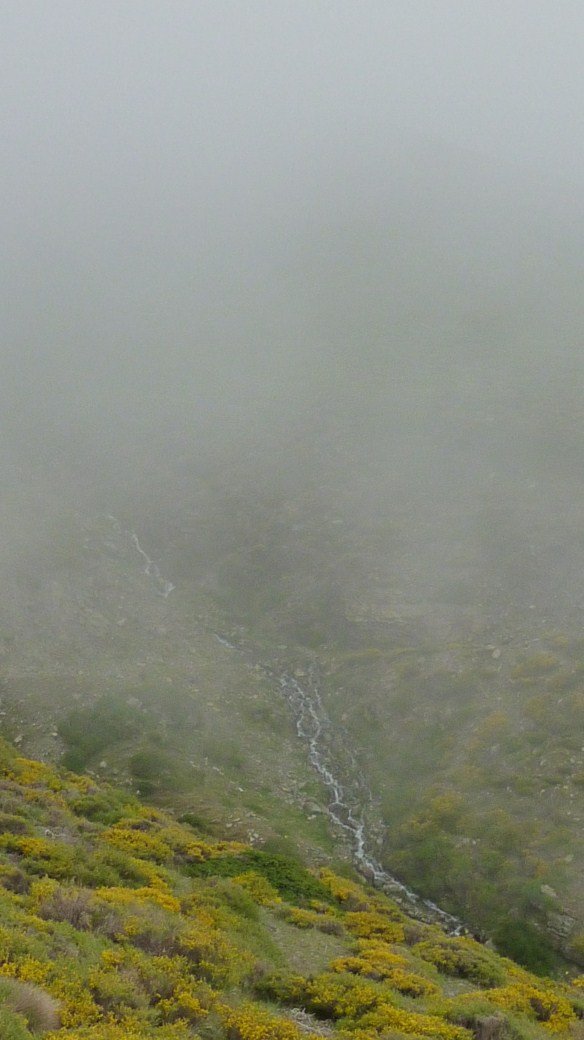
(291,389)
(312,244)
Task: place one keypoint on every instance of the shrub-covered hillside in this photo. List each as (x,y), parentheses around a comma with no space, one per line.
(119,922)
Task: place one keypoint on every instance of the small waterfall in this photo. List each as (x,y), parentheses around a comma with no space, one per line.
(151,569)
(348,799)
(345,808)
(162,586)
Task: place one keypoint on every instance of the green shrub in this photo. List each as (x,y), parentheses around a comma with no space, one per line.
(291,880)
(476,1013)
(463,958)
(89,730)
(521,941)
(13,824)
(13,1027)
(105,807)
(153,768)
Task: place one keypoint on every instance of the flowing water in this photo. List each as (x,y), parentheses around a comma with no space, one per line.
(349,798)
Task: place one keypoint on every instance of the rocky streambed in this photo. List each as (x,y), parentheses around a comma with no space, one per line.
(349,795)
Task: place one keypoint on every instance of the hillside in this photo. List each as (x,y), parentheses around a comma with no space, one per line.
(119,921)
(292,516)
(450,717)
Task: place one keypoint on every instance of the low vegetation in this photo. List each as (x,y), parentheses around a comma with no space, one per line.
(120,923)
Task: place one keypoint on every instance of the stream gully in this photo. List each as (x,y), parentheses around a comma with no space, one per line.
(344,806)
(347,799)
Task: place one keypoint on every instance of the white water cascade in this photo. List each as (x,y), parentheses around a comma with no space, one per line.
(150,569)
(164,587)
(346,807)
(348,799)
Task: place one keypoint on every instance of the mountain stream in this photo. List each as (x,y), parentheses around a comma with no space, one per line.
(348,799)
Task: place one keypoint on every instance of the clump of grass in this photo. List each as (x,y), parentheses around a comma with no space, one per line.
(38,1009)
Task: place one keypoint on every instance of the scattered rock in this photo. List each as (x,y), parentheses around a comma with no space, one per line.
(314,808)
(561,925)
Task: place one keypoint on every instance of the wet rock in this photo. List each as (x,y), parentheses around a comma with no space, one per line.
(561,926)
(314,808)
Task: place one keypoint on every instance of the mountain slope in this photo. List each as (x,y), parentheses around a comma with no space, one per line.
(119,921)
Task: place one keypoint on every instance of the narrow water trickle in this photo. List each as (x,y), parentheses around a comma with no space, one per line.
(349,799)
(150,569)
(345,809)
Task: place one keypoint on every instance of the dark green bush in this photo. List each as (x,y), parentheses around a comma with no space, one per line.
(14,824)
(290,879)
(87,731)
(106,807)
(521,941)
(463,960)
(153,768)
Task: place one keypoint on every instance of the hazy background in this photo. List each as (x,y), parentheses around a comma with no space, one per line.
(215,210)
(292,309)
(328,245)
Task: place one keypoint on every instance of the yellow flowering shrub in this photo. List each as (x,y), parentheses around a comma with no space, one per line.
(157,896)
(376,961)
(213,956)
(138,934)
(113,990)
(464,958)
(250,1022)
(42,855)
(78,1008)
(138,843)
(335,996)
(79,783)
(324,920)
(371,958)
(386,1017)
(128,1028)
(201,850)
(29,773)
(183,1005)
(551,1009)
(27,845)
(347,893)
(27,969)
(14,945)
(258,887)
(41,889)
(369,924)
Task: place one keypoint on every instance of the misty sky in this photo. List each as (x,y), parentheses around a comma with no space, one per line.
(163,162)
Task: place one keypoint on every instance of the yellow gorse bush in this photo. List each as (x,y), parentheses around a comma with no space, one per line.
(138,843)
(388,1018)
(253,1023)
(154,895)
(551,1009)
(259,888)
(118,923)
(368,924)
(29,773)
